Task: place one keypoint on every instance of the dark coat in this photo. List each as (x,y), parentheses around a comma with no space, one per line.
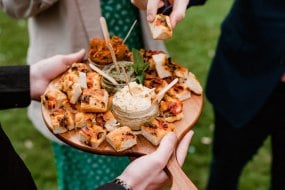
(15,92)
(14,87)
(250,59)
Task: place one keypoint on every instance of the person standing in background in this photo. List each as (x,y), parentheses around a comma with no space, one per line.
(65,26)
(248,68)
(246,86)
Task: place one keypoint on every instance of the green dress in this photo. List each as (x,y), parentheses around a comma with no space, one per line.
(78,170)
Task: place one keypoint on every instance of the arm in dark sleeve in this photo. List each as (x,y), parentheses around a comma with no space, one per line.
(14,86)
(13,171)
(167,8)
(111,186)
(196,2)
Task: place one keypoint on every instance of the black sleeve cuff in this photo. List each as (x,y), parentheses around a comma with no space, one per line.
(14,86)
(196,2)
(167,8)
(111,186)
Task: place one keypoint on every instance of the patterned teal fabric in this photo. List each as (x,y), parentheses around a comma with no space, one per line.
(78,170)
(120,15)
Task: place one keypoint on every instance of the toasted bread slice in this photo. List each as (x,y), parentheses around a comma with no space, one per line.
(193,84)
(156,129)
(61,120)
(122,138)
(155,82)
(171,108)
(92,136)
(171,104)
(98,137)
(171,118)
(79,67)
(54,99)
(68,79)
(74,93)
(93,80)
(110,122)
(72,85)
(161,28)
(82,80)
(180,91)
(162,69)
(83,119)
(181,72)
(85,135)
(94,100)
(73,81)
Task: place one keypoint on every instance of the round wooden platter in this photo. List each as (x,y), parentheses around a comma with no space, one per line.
(192,109)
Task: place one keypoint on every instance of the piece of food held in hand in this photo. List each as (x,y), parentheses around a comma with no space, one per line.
(160,27)
(84,105)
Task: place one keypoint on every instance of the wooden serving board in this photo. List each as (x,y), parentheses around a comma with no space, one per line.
(192,109)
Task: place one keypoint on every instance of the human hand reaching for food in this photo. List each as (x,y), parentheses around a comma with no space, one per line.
(177,14)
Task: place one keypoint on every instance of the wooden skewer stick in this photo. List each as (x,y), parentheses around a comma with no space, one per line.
(161,93)
(113,56)
(129,32)
(109,45)
(105,75)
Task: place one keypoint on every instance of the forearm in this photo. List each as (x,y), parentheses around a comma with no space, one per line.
(25,8)
(14,86)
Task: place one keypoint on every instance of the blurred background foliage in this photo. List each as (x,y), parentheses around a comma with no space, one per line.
(193,45)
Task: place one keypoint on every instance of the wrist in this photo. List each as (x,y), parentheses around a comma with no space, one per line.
(36,84)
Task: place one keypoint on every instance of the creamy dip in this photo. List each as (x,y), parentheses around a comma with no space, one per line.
(139,100)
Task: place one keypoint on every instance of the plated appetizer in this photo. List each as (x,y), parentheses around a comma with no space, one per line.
(84,102)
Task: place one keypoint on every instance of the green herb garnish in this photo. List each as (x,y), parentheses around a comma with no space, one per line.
(139,65)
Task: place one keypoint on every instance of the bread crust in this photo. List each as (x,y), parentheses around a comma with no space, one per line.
(94,100)
(54,99)
(161,28)
(122,138)
(92,136)
(193,84)
(61,120)
(156,129)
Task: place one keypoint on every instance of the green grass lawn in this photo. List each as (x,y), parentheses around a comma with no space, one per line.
(192,45)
